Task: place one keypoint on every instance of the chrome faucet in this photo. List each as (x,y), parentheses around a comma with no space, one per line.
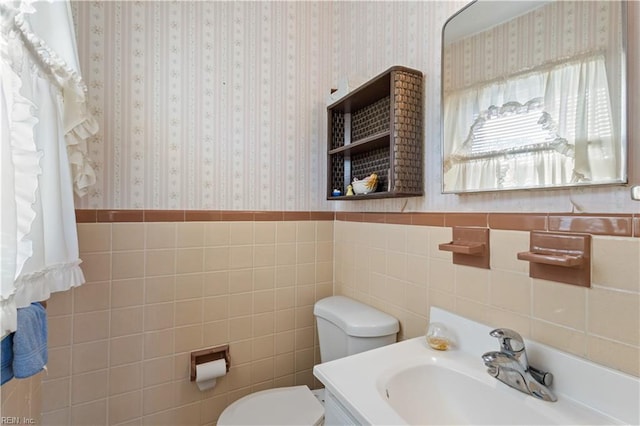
(510,366)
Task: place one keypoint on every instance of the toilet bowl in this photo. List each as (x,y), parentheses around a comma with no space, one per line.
(345,327)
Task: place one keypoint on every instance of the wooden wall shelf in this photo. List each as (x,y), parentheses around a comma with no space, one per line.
(377,128)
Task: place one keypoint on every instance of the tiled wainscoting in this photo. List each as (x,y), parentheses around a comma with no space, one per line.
(163,283)
(393,262)
(159,287)
(22,400)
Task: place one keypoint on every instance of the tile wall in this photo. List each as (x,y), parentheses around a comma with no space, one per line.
(398,268)
(161,284)
(21,400)
(155,291)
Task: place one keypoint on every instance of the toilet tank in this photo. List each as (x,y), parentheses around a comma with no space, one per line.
(347,327)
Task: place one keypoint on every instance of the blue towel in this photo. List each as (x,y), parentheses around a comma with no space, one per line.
(29,352)
(6,359)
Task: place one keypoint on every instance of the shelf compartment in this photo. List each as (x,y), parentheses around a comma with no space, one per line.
(376,161)
(561,257)
(370,142)
(337,173)
(371,120)
(369,93)
(336,129)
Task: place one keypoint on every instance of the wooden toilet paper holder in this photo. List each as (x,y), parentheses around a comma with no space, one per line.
(208,355)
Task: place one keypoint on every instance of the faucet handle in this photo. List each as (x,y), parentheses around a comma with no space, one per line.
(510,340)
(542,377)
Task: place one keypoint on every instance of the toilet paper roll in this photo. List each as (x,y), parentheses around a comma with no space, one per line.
(208,372)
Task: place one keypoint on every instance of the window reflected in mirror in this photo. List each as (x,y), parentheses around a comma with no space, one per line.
(536,100)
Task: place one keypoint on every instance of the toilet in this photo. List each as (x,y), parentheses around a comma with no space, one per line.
(345,327)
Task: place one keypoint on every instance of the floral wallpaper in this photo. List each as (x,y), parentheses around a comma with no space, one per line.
(374,35)
(551,33)
(222,105)
(207,105)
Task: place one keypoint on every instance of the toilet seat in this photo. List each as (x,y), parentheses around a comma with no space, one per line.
(295,405)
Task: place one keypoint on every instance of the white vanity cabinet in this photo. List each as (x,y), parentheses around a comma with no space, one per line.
(335,414)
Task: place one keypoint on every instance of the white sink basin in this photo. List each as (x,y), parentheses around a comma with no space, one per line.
(410,383)
(429,394)
(444,391)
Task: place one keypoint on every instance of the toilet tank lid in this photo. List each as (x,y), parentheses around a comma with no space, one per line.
(355,318)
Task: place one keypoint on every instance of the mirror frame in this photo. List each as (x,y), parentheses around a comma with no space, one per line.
(623,122)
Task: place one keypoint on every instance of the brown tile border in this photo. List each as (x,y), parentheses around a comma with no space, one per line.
(374,217)
(518,221)
(621,225)
(236,216)
(268,216)
(427,219)
(322,215)
(606,224)
(120,215)
(624,225)
(399,218)
(164,215)
(202,216)
(86,216)
(296,215)
(350,216)
(466,219)
(106,216)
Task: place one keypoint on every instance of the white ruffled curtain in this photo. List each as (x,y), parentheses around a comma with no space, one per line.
(45,127)
(575,97)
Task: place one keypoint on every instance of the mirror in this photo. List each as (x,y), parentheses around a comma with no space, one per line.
(534,95)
